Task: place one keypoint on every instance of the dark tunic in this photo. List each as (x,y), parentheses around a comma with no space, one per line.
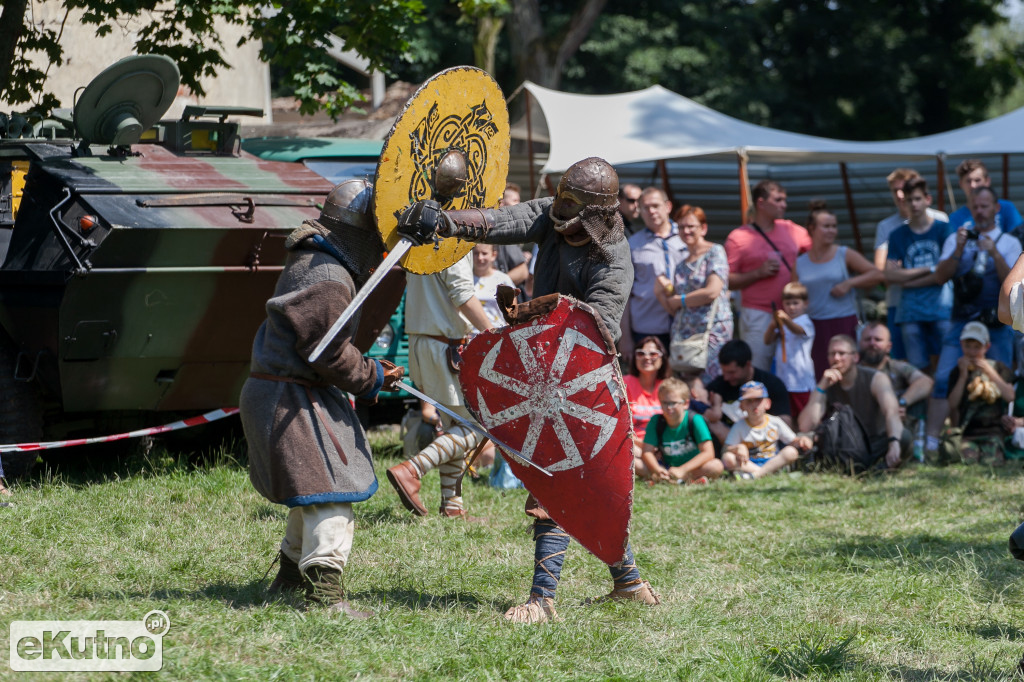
(864,405)
(566,269)
(292,460)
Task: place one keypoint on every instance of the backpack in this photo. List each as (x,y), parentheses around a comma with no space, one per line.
(841,444)
(659,430)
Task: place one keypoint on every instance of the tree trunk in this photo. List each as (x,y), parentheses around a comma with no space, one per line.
(488,29)
(540,58)
(12,25)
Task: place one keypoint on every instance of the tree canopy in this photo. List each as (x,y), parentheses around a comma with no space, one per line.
(864,69)
(293,36)
(857,69)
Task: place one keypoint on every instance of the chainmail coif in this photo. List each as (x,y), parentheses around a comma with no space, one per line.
(603,224)
(361,251)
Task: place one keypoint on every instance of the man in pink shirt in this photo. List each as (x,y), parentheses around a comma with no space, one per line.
(762,255)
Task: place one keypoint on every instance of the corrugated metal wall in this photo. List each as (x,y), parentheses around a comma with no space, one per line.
(714,186)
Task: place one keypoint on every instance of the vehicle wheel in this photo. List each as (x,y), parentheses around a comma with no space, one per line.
(21,415)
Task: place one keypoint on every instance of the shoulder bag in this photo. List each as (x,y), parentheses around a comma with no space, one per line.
(690,355)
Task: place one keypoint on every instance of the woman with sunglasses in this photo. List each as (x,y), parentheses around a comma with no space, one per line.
(645,375)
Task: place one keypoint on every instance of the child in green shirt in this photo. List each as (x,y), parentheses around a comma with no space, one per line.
(682,439)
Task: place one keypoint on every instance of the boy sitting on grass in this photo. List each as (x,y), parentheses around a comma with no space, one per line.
(682,438)
(761,444)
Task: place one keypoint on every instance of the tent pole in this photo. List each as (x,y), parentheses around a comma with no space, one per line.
(1006,175)
(665,185)
(940,170)
(849,206)
(741,157)
(529,146)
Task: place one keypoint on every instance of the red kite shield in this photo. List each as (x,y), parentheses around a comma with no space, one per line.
(552,389)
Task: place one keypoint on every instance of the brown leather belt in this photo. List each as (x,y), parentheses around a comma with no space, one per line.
(451,342)
(308,385)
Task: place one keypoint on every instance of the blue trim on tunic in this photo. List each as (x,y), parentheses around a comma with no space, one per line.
(326,498)
(326,247)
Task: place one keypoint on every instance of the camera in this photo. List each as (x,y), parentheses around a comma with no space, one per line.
(972,234)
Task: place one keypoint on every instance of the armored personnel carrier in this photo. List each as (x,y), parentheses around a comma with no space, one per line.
(137,256)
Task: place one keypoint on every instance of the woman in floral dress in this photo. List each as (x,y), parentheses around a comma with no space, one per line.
(700,279)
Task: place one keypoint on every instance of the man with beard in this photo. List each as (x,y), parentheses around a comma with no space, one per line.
(869,394)
(582,252)
(910,384)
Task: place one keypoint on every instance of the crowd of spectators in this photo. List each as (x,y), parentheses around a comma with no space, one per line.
(935,368)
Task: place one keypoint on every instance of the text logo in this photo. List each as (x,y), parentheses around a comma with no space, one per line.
(89,645)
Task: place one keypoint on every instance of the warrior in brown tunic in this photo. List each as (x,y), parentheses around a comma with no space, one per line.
(307,449)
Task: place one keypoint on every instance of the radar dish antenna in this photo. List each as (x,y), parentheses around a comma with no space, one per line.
(126,99)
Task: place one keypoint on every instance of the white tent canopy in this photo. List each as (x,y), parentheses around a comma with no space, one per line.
(655,124)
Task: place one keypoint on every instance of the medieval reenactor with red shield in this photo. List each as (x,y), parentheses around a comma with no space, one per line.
(550,384)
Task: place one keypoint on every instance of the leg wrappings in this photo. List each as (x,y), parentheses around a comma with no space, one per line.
(548,555)
(626,575)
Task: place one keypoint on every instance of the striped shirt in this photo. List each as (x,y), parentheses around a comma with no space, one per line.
(652,256)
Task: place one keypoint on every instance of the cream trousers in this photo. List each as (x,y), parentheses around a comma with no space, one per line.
(319,535)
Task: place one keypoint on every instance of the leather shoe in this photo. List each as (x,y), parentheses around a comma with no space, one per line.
(406,481)
(459,513)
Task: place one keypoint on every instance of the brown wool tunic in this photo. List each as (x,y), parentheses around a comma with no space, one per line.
(291,458)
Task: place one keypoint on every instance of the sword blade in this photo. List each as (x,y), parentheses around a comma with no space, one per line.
(385,267)
(518,456)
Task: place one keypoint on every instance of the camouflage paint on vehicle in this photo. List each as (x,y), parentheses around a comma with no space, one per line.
(155,305)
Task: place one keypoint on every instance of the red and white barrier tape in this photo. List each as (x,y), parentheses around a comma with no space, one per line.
(174,426)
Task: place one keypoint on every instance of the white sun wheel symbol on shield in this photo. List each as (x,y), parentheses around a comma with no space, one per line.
(549,398)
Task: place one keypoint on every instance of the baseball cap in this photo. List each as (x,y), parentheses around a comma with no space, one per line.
(753,389)
(976,331)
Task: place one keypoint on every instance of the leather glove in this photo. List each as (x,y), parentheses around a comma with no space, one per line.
(392,373)
(419,222)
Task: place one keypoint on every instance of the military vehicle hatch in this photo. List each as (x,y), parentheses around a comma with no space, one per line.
(137,256)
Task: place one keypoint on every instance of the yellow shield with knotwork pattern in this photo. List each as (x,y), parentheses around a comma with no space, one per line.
(450,144)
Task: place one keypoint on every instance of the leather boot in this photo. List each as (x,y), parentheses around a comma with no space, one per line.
(645,595)
(324,588)
(406,481)
(535,610)
(289,578)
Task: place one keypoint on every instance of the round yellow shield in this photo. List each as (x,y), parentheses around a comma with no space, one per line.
(458,116)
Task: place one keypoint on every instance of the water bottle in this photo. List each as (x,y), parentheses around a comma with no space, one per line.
(919,441)
(980,262)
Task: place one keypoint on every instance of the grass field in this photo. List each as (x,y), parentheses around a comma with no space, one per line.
(816,577)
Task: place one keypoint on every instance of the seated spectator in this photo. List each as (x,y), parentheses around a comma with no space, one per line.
(646,372)
(760,444)
(677,445)
(869,394)
(914,253)
(700,279)
(793,356)
(979,392)
(911,385)
(978,261)
(831,273)
(973,174)
(885,228)
(724,392)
